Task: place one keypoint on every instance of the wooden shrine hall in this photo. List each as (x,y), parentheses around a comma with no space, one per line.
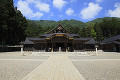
(59,39)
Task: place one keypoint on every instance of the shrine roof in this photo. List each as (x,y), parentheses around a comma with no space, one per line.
(69,35)
(91,41)
(111,39)
(61,27)
(27,41)
(82,39)
(72,35)
(47,35)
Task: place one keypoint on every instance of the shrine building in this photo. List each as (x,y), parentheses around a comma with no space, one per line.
(59,39)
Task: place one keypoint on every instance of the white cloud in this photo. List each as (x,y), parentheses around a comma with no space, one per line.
(115,12)
(42,6)
(117,5)
(37,15)
(98,0)
(59,3)
(27,11)
(24,7)
(91,11)
(30,1)
(69,12)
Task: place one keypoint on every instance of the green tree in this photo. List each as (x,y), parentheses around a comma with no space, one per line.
(12,24)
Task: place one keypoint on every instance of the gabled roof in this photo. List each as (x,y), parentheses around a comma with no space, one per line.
(30,40)
(61,27)
(116,42)
(82,39)
(35,39)
(47,35)
(27,41)
(72,35)
(69,35)
(91,41)
(110,39)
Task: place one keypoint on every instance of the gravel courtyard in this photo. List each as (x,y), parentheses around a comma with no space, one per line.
(104,66)
(13,66)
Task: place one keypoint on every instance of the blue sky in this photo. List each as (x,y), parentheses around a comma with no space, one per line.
(82,10)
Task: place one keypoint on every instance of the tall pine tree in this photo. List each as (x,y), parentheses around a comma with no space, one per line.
(12,24)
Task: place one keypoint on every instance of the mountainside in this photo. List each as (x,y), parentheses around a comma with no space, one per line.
(64,23)
(68,23)
(43,23)
(98,20)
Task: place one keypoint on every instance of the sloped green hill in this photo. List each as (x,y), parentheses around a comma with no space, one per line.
(98,20)
(64,23)
(67,23)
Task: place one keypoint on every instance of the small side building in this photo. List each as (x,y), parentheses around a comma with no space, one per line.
(111,44)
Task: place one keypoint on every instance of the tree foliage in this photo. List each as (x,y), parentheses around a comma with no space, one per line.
(46,25)
(12,24)
(104,29)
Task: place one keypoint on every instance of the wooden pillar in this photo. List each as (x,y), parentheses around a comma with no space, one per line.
(84,47)
(52,47)
(45,46)
(66,47)
(73,46)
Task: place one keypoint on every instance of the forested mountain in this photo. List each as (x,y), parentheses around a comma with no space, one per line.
(98,29)
(12,24)
(50,23)
(98,20)
(47,25)
(102,28)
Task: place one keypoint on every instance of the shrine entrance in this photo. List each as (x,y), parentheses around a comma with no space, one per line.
(61,47)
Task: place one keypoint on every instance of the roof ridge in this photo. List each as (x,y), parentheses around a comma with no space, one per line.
(58,26)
